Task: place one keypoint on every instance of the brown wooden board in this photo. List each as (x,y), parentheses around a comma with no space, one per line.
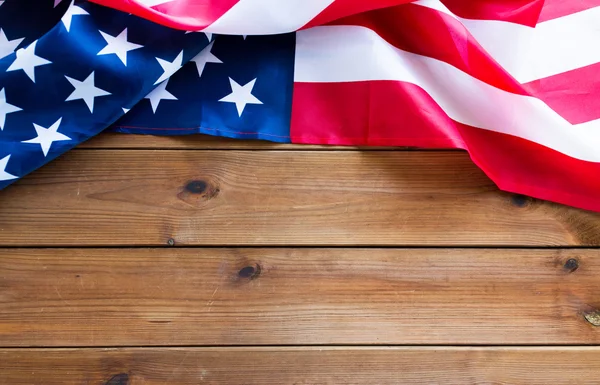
(207,142)
(139,197)
(263,366)
(228,296)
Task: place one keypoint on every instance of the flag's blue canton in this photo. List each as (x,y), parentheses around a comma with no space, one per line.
(76,80)
(257,72)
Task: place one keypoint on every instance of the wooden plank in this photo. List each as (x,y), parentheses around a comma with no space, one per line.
(126,197)
(130,141)
(218,296)
(262,366)
(206,142)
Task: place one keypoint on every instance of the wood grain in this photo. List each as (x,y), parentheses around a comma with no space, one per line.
(151,198)
(262,366)
(139,297)
(207,142)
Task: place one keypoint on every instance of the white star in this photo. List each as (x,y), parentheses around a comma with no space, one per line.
(3,163)
(56,2)
(1,2)
(85,90)
(158,94)
(118,45)
(205,56)
(8,46)
(27,60)
(5,108)
(168,67)
(46,136)
(125,110)
(241,95)
(73,10)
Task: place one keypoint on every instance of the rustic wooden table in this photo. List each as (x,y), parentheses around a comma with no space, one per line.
(142,260)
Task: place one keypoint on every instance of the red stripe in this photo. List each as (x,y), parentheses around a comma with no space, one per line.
(524,167)
(343,8)
(368,113)
(203,12)
(198,14)
(428,32)
(389,113)
(553,9)
(187,15)
(572,94)
(525,12)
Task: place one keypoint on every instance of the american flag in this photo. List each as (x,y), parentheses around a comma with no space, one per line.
(516,83)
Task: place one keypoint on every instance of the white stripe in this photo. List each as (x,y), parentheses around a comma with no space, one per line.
(354,53)
(152,3)
(528,54)
(266,17)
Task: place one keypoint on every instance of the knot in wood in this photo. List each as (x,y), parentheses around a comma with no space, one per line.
(203,188)
(196,186)
(593,317)
(118,379)
(250,272)
(571,265)
(520,200)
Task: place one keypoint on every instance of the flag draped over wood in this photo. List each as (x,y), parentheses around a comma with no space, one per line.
(516,83)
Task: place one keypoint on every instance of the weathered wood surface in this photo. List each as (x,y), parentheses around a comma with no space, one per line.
(156,198)
(207,142)
(223,307)
(139,297)
(280,366)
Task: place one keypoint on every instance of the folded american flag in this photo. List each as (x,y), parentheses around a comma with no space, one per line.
(516,83)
